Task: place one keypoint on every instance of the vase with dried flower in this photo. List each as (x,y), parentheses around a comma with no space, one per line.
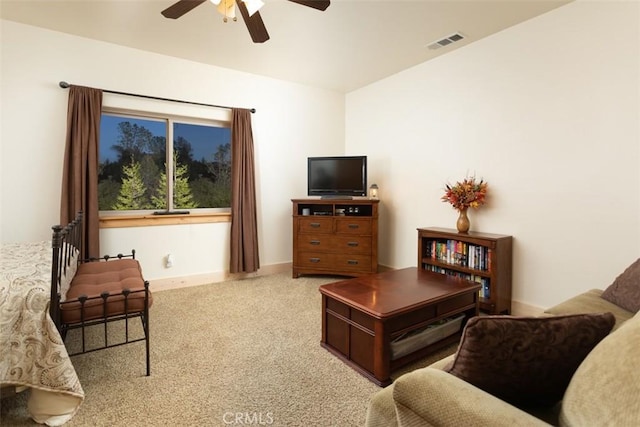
(463,195)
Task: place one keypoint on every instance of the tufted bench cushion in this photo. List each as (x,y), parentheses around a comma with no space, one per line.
(94,278)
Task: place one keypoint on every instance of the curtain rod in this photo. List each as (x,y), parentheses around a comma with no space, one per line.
(66,85)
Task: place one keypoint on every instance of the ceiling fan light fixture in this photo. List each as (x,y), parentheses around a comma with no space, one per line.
(253,5)
(249,9)
(227,8)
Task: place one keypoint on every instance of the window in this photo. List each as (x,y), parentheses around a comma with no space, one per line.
(163,164)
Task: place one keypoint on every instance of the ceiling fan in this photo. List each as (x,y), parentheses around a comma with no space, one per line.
(248,10)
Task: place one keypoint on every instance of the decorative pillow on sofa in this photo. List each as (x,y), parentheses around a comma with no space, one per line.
(625,290)
(527,361)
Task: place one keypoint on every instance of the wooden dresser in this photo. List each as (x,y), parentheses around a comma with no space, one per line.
(335,236)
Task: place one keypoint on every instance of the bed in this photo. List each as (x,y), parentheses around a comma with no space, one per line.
(32,353)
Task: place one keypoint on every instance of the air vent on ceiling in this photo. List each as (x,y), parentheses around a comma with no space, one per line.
(446,41)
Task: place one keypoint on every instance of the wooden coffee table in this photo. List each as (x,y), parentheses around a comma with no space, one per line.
(362,316)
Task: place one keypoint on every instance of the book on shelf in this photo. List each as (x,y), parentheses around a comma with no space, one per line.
(459,253)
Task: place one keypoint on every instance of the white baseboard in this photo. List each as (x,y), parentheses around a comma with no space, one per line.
(165,284)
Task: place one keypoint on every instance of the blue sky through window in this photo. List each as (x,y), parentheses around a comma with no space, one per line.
(109,133)
(204,139)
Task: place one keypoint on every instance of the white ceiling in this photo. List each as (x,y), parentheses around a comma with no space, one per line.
(351,44)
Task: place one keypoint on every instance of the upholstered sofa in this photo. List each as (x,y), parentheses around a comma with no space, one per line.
(602,390)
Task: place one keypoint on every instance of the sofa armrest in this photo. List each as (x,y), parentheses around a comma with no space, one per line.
(431,397)
(381,411)
(591,302)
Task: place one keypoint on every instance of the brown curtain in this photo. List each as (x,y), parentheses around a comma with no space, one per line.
(244,228)
(80,173)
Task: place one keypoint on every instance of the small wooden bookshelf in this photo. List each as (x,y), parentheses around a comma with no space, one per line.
(480,257)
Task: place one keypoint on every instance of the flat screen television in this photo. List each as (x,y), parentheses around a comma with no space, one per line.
(337,177)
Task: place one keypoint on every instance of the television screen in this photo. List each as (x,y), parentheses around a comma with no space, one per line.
(340,176)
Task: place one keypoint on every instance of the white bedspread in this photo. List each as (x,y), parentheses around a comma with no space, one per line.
(32,353)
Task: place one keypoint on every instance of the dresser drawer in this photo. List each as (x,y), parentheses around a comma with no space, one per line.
(339,262)
(353,262)
(333,243)
(315,224)
(316,242)
(353,225)
(352,244)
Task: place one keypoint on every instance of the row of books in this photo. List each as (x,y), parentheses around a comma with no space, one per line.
(485,290)
(460,253)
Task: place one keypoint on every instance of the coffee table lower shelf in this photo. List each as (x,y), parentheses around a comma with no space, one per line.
(395,364)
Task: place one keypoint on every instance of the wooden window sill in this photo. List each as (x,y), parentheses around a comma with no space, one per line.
(152,220)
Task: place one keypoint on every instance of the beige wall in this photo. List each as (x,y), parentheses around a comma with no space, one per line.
(548,113)
(291,123)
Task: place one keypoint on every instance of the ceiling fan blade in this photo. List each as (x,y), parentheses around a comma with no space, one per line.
(180,8)
(316,4)
(255,25)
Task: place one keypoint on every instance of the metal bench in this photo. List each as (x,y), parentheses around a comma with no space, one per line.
(86,293)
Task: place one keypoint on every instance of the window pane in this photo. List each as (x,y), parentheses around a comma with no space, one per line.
(131,164)
(202,166)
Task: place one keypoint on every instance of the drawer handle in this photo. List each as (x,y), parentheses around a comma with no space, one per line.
(352,244)
(314,242)
(314,260)
(354,226)
(352,262)
(314,224)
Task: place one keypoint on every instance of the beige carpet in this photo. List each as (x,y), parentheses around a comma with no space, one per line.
(249,347)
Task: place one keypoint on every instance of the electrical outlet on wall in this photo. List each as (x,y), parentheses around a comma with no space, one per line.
(169,261)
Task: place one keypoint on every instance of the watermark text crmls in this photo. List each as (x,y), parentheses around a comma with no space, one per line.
(248,418)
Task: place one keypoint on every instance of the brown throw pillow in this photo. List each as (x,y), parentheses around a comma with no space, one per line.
(527,361)
(625,290)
